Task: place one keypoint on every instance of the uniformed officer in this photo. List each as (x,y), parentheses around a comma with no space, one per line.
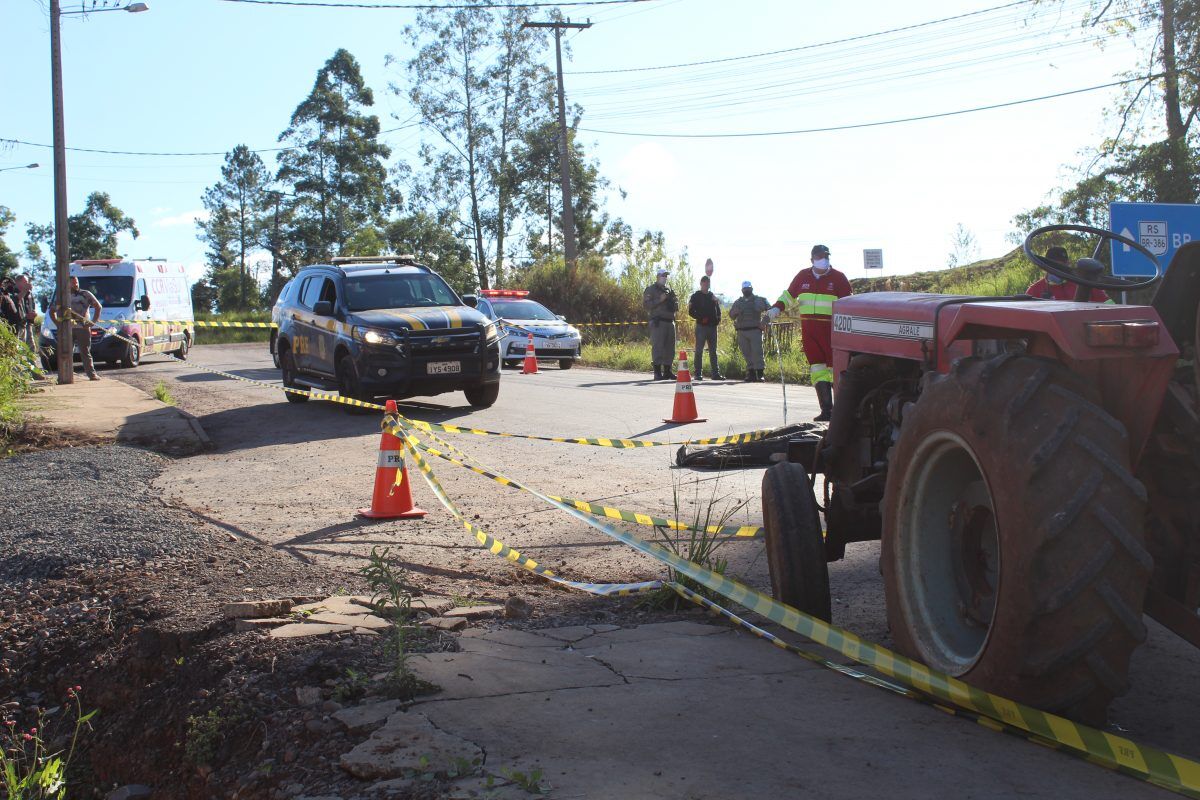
(747,312)
(80,302)
(661,303)
(813,290)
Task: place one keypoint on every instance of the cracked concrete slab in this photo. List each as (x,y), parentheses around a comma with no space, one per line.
(485,669)
(680,656)
(409,742)
(575,633)
(731,732)
(514,637)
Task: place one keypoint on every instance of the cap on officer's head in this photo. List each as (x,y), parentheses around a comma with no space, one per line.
(747,285)
(662,272)
(820,250)
(1057,253)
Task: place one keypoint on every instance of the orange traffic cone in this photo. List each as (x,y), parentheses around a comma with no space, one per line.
(685,402)
(392,498)
(530,365)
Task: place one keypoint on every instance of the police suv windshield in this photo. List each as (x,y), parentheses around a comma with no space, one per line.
(413,290)
(113,291)
(522,309)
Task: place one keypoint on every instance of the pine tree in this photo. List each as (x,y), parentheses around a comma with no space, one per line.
(237,206)
(335,164)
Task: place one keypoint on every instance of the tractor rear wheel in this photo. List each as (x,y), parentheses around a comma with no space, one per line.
(1012,552)
(795,546)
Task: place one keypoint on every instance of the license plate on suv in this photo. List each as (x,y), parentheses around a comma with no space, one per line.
(443,367)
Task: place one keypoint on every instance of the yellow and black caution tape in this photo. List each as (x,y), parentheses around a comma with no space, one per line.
(212,323)
(637,518)
(1146,763)
(497,547)
(621,444)
(433,426)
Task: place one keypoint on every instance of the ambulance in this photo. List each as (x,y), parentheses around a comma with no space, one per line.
(147,301)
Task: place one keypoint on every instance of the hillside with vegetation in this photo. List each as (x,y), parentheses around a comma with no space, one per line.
(1009,274)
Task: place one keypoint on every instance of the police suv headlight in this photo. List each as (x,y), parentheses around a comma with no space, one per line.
(376,337)
(491,332)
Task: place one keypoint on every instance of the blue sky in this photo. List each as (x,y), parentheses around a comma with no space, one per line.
(205,75)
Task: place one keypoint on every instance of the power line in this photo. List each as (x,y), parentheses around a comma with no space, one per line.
(160,153)
(867,124)
(428,7)
(860,37)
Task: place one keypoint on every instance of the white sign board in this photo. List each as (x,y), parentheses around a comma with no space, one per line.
(872,259)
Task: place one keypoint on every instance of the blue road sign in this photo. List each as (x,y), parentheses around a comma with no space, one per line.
(1162,228)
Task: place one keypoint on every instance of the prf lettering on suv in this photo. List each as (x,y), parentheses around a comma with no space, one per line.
(384,326)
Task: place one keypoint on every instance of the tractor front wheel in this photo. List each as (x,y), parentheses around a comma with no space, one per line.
(795,546)
(1012,552)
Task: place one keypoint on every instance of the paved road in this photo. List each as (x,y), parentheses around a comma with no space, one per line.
(292,476)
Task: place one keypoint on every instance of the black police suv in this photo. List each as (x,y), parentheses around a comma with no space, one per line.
(384,326)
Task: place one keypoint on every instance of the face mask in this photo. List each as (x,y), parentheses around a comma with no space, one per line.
(662,280)
(747,292)
(820,264)
(1054,280)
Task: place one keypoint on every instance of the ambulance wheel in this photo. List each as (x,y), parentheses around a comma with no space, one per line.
(287,364)
(566,363)
(1012,551)
(350,386)
(482,396)
(184,346)
(132,355)
(795,546)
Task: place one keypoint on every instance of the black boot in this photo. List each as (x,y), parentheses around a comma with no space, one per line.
(749,376)
(657,372)
(825,398)
(717,376)
(668,375)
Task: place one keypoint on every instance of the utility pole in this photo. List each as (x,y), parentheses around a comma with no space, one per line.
(564,158)
(66,346)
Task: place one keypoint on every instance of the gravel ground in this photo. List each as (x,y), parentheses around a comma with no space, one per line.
(122,518)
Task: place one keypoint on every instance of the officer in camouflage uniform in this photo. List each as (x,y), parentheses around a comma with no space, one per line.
(746,313)
(661,303)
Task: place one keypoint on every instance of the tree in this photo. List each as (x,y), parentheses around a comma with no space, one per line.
(964,248)
(449,86)
(433,243)
(477,82)
(1149,161)
(8,259)
(236,206)
(536,165)
(335,163)
(92,233)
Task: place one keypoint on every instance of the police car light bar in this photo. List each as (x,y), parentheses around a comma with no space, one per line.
(96,262)
(504,292)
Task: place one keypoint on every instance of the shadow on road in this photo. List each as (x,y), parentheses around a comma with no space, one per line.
(280,423)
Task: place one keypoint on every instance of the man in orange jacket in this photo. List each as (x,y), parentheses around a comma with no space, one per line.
(1052,287)
(813,290)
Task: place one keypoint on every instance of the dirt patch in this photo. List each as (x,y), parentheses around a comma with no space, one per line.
(32,435)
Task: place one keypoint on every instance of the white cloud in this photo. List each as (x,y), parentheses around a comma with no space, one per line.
(186,218)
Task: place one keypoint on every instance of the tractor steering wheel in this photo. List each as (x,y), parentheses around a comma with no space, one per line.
(1086,265)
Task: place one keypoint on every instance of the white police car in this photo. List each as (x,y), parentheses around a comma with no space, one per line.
(518,316)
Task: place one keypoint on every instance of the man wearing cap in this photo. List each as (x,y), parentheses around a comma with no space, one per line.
(813,290)
(1052,287)
(746,313)
(661,303)
(706,310)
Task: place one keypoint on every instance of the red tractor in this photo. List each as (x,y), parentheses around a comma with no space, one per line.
(1032,468)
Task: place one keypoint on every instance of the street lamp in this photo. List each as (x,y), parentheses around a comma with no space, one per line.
(66,347)
(23,166)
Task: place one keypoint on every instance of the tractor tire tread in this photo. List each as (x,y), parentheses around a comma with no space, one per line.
(1065,639)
